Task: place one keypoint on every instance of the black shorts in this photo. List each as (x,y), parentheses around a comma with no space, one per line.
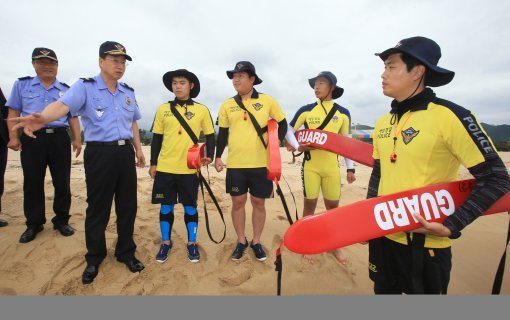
(170,188)
(391,268)
(240,180)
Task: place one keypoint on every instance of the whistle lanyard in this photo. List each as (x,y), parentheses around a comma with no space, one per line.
(185,115)
(396,132)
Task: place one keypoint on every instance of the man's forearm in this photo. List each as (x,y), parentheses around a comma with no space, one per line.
(136,137)
(54,111)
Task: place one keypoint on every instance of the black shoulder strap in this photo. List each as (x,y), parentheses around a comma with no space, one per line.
(496,286)
(330,114)
(183,123)
(260,131)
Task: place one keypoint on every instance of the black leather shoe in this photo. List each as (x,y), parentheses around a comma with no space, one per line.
(89,274)
(64,229)
(134,265)
(30,233)
(3,223)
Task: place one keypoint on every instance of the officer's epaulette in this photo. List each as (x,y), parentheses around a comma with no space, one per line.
(25,78)
(125,85)
(88,79)
(65,84)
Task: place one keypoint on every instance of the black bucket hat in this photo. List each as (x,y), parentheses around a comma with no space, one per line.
(40,53)
(244,66)
(167,80)
(113,48)
(427,52)
(337,93)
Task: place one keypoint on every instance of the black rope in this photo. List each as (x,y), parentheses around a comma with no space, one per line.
(203,183)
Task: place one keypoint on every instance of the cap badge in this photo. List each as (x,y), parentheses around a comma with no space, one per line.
(120,48)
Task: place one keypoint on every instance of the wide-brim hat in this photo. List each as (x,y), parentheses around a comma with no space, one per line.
(113,48)
(337,92)
(167,80)
(427,52)
(244,66)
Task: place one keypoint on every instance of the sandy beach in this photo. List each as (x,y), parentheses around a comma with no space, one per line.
(53,264)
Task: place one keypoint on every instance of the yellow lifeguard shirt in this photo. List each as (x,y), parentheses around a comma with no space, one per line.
(245,150)
(432,141)
(176,141)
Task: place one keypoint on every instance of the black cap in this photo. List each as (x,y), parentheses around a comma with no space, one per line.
(427,52)
(337,93)
(113,48)
(39,53)
(167,80)
(244,66)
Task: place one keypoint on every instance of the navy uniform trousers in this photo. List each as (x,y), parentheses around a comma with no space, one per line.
(111,175)
(51,150)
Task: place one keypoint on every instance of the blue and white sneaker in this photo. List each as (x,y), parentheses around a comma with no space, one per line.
(239,250)
(260,255)
(162,255)
(193,254)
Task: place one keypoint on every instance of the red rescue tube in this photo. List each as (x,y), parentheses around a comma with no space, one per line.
(353,149)
(376,217)
(274,169)
(195,155)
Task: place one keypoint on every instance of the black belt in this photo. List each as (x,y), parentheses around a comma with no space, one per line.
(51,130)
(109,143)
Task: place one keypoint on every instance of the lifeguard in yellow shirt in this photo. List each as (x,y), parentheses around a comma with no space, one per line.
(320,169)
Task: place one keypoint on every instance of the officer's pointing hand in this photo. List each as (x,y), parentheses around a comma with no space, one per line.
(30,123)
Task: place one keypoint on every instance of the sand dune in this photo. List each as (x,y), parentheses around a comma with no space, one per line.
(52,264)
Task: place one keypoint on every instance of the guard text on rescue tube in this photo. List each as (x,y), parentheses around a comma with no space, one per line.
(396,213)
(312,137)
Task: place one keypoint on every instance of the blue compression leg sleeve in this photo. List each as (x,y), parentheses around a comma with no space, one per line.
(166,220)
(191,220)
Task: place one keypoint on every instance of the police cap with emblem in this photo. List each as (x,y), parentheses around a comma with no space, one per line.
(167,80)
(40,53)
(113,48)
(244,66)
(427,52)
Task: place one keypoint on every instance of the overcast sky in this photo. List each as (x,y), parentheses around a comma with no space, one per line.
(288,41)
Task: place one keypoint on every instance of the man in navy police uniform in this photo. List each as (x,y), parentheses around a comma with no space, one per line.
(52,148)
(109,112)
